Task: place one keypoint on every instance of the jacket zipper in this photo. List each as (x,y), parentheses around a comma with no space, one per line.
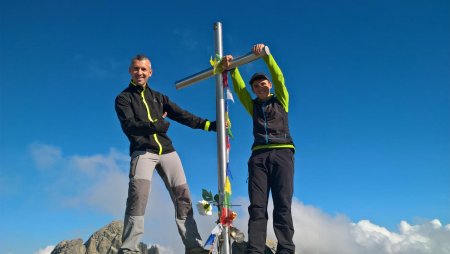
(151,120)
(265,121)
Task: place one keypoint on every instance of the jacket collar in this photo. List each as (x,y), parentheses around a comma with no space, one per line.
(136,87)
(257,100)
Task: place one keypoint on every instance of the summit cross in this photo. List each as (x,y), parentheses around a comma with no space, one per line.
(220,114)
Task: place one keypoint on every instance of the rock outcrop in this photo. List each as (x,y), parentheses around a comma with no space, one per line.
(70,247)
(108,240)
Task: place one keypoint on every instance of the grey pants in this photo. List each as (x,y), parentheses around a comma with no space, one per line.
(171,171)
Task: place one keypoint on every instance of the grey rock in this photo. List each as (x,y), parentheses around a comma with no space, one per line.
(271,246)
(106,240)
(153,250)
(70,247)
(143,248)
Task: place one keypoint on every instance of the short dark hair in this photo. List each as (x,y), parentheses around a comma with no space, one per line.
(140,57)
(258,76)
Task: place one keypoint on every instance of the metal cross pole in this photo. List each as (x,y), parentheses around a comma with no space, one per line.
(220,114)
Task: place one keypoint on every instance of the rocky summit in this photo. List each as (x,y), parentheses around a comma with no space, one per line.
(108,239)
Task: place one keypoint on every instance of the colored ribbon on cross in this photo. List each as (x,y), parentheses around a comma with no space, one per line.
(226,214)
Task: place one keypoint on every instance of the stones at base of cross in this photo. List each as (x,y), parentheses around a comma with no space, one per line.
(241,248)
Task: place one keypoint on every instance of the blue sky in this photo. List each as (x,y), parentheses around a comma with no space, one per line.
(369,83)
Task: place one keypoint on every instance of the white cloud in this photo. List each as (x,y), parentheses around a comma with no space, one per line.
(44,155)
(96,165)
(109,194)
(315,231)
(97,181)
(103,180)
(429,237)
(46,250)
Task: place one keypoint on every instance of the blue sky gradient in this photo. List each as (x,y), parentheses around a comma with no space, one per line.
(369,85)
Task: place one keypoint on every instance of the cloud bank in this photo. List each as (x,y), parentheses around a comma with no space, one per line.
(46,250)
(105,178)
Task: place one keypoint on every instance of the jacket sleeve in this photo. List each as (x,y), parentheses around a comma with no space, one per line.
(278,81)
(130,125)
(239,88)
(184,117)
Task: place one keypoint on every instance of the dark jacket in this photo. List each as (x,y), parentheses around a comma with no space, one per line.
(140,112)
(270,123)
(270,118)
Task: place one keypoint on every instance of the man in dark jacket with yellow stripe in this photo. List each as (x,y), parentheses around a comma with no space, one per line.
(142,112)
(271,165)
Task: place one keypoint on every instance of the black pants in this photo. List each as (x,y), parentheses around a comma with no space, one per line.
(271,170)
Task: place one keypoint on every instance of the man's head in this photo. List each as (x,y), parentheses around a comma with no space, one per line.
(140,70)
(260,85)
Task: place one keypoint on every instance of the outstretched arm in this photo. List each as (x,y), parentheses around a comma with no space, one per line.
(239,85)
(277,77)
(184,117)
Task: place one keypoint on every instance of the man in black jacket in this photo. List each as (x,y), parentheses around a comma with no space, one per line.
(141,112)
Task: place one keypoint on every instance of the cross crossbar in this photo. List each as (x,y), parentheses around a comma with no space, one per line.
(207,73)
